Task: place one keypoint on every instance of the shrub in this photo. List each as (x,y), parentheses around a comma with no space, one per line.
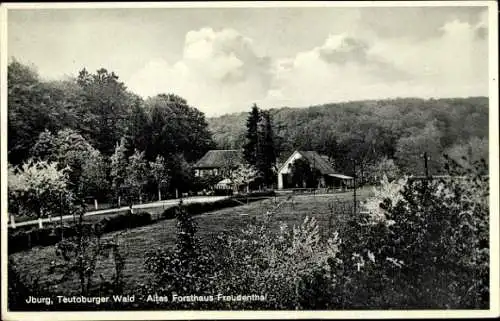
(26,239)
(428,244)
(18,241)
(200,208)
(78,256)
(125,221)
(38,189)
(387,190)
(292,267)
(19,288)
(169,213)
(183,269)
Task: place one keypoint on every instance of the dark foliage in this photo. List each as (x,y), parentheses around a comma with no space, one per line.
(431,250)
(369,130)
(183,269)
(250,149)
(20,289)
(303,176)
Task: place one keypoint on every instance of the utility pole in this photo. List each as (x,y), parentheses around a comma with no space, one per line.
(314,174)
(426,165)
(426,180)
(354,182)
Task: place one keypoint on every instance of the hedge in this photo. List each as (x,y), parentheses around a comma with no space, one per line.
(124,221)
(261,194)
(24,240)
(200,208)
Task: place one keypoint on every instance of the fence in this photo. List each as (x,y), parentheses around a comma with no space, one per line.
(307,191)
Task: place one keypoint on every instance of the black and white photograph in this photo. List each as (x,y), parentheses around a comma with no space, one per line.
(249,159)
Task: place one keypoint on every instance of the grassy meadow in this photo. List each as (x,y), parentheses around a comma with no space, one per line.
(135,243)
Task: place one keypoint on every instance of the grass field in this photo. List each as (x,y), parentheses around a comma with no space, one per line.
(135,243)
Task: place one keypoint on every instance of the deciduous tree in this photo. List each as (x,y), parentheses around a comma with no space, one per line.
(160,173)
(137,173)
(34,106)
(384,167)
(86,167)
(176,128)
(94,176)
(411,149)
(243,175)
(38,189)
(118,173)
(107,105)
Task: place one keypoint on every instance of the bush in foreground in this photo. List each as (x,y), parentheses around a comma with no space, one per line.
(186,268)
(291,269)
(427,247)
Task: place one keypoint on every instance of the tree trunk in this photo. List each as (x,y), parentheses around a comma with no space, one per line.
(95,204)
(12,222)
(119,201)
(159,193)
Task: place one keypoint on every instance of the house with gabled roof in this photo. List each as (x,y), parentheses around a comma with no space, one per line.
(217,162)
(328,176)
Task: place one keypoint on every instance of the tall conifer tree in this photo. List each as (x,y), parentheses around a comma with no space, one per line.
(250,149)
(267,151)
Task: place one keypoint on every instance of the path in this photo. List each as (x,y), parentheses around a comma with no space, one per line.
(166,203)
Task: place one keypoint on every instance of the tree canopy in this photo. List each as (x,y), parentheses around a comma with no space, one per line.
(79,122)
(400,129)
(108,139)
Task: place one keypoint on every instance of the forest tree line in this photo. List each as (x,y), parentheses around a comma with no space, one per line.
(111,141)
(379,136)
(106,138)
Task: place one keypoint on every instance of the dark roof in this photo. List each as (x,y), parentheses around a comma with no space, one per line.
(318,162)
(220,158)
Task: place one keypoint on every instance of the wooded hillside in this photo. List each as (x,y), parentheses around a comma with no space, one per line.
(371,131)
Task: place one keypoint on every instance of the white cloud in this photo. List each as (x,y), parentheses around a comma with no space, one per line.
(348,68)
(343,68)
(218,73)
(221,72)
(454,64)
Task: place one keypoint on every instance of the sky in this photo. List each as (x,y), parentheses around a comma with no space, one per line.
(222,60)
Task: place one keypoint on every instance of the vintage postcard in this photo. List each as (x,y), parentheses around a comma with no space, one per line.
(248,160)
